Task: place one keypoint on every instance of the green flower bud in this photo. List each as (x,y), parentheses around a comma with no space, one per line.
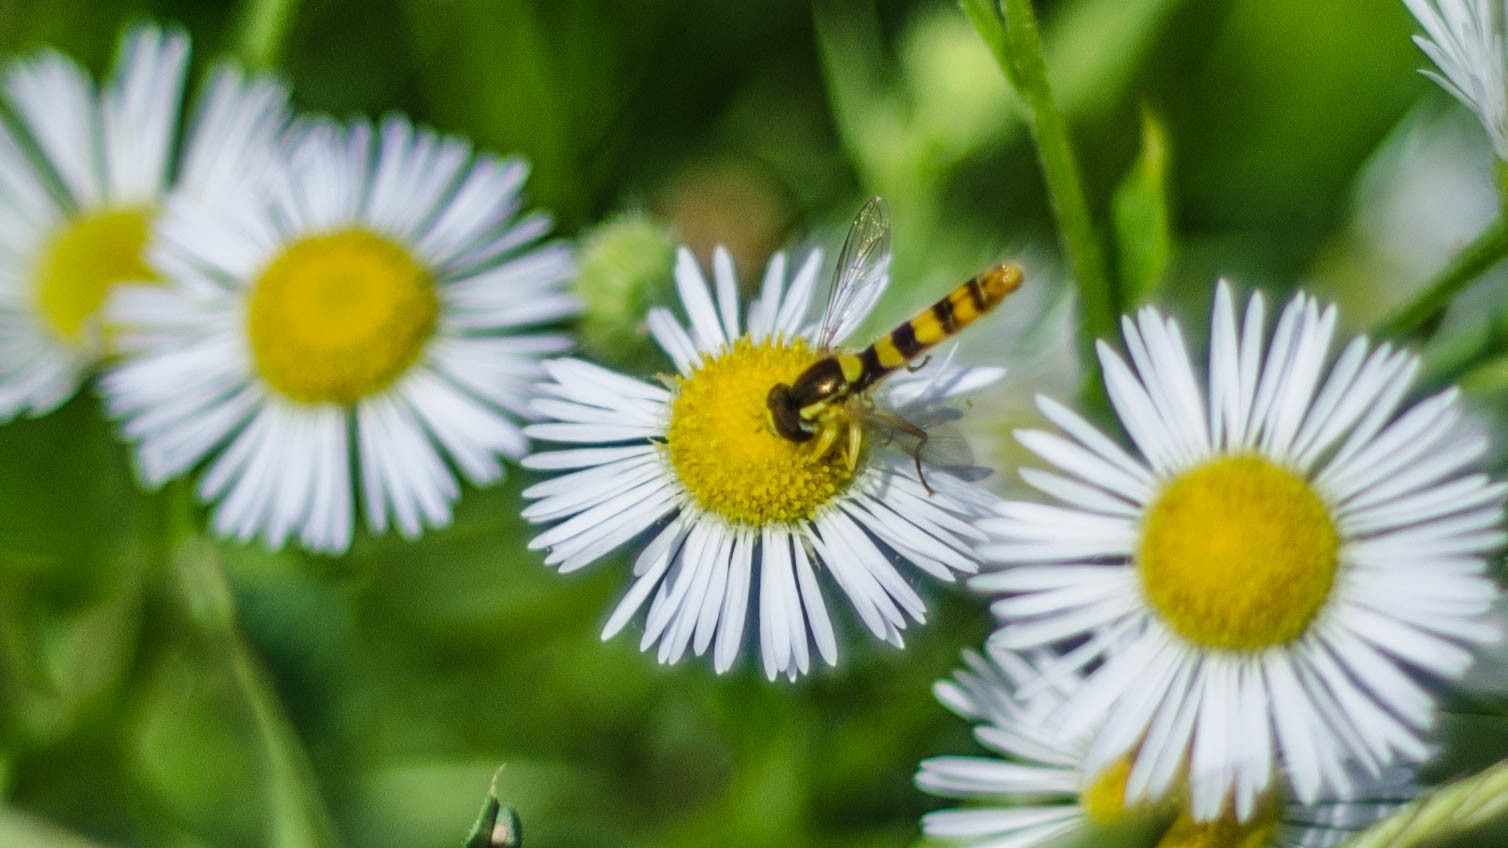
(625,267)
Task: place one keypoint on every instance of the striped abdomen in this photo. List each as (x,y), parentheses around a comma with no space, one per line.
(960,308)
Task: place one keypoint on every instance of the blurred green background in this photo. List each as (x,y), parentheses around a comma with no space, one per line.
(366,700)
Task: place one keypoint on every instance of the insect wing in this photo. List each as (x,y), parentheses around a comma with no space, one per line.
(935,440)
(862,272)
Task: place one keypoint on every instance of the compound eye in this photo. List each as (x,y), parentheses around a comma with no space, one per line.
(784,415)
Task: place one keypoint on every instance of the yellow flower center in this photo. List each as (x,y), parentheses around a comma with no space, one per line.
(1225,832)
(1238,554)
(1104,800)
(1104,804)
(339,316)
(78,266)
(722,448)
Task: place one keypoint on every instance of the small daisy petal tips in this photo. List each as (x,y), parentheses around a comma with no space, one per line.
(1291,551)
(1035,778)
(736,514)
(1464,38)
(1033,790)
(369,314)
(82,176)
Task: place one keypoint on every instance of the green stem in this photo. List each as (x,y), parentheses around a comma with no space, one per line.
(264,29)
(1487,250)
(1010,30)
(1447,811)
(1451,359)
(296,810)
(299,817)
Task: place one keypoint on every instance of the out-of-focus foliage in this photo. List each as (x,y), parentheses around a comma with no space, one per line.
(366,700)
(1141,216)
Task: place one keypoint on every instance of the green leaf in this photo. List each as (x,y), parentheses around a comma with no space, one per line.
(1142,218)
(1098,48)
(985,16)
(1453,810)
(497,825)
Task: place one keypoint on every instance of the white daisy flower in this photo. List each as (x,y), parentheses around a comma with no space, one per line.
(1035,791)
(371,314)
(82,176)
(1287,561)
(733,509)
(1464,38)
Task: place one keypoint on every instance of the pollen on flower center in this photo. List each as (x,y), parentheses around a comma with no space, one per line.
(723,450)
(1238,554)
(339,316)
(82,261)
(1104,799)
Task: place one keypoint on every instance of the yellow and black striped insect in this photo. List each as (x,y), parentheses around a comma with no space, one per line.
(818,406)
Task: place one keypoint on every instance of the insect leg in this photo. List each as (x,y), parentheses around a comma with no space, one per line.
(827,436)
(855,442)
(916,456)
(921,437)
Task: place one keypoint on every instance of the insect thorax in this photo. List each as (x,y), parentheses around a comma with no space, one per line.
(796,408)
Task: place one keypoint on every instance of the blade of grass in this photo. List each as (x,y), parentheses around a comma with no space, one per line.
(1450,810)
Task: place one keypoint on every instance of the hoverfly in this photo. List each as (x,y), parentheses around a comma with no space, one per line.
(824,405)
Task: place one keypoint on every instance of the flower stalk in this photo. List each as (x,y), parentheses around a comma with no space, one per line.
(264,30)
(1010,29)
(1487,250)
(296,811)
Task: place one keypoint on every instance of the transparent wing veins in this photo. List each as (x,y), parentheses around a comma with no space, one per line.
(935,440)
(861,273)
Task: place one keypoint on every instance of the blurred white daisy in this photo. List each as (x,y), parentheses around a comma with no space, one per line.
(1033,790)
(733,509)
(370,314)
(1286,562)
(82,176)
(1464,38)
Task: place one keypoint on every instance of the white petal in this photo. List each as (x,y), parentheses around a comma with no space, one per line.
(706,326)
